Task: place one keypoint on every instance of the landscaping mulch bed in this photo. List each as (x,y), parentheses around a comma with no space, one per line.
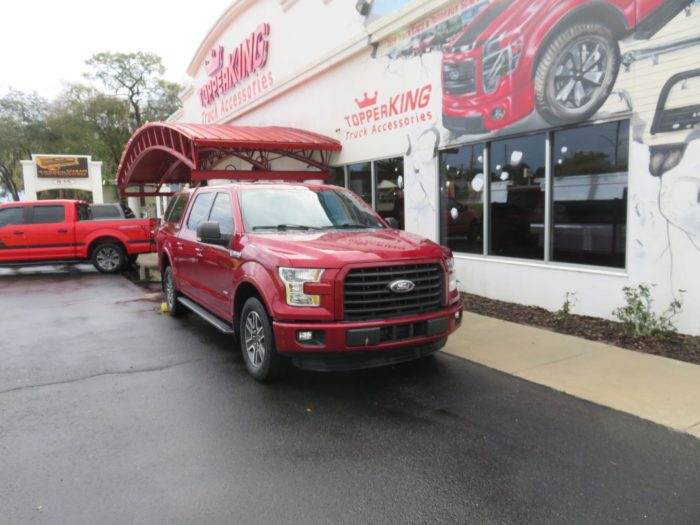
(676,346)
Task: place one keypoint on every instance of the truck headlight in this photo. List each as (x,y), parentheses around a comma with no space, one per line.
(452,283)
(294,279)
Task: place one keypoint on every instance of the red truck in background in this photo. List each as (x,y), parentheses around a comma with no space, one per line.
(560,57)
(307,273)
(63,231)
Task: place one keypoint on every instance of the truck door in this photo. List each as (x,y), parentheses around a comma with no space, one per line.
(51,232)
(13,237)
(216,270)
(188,252)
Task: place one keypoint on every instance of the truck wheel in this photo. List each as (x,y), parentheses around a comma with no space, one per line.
(576,73)
(170,293)
(108,258)
(258,342)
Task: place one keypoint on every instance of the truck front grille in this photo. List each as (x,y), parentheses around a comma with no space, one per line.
(367,295)
(459,78)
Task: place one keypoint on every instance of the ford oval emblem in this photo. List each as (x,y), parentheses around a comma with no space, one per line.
(401,286)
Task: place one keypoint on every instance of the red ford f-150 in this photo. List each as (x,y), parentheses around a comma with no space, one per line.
(63,231)
(306,273)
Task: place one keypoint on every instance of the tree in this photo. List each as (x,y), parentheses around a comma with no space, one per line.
(22,131)
(138,78)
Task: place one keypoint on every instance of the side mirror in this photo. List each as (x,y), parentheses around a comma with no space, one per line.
(210,233)
(392,222)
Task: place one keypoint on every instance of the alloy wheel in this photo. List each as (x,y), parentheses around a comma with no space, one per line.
(108,258)
(580,73)
(254,339)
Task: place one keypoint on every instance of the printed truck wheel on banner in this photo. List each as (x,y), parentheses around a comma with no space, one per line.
(576,74)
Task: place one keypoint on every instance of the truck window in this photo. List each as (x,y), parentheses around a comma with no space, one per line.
(200,210)
(222,213)
(9,216)
(107,211)
(49,214)
(175,209)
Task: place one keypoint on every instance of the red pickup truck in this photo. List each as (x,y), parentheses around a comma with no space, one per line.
(63,231)
(306,273)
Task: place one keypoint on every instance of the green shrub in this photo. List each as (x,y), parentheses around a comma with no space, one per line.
(565,310)
(639,317)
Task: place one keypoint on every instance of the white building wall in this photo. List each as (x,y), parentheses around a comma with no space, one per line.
(325,60)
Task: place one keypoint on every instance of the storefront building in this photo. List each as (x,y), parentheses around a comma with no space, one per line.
(551,144)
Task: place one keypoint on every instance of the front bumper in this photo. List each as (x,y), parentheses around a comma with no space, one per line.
(336,338)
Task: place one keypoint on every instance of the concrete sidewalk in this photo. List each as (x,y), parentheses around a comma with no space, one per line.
(655,388)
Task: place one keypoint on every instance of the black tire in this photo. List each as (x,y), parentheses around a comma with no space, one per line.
(132,259)
(108,258)
(171,294)
(576,73)
(258,343)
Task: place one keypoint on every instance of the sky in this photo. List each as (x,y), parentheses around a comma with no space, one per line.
(44,43)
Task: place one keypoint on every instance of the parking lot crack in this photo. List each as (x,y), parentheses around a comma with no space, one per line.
(104,373)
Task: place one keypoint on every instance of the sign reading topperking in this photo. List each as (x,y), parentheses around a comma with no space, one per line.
(61,167)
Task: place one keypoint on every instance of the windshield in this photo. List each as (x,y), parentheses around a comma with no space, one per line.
(275,209)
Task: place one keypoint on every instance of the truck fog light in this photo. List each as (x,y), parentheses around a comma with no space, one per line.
(305,336)
(498,113)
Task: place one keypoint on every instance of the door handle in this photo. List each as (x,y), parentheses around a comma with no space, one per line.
(62,230)
(18,233)
(179,246)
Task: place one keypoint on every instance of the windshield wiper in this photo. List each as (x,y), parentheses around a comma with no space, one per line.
(346,226)
(285,227)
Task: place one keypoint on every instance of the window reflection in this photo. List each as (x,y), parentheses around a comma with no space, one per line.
(360,180)
(389,190)
(517,177)
(590,194)
(461,198)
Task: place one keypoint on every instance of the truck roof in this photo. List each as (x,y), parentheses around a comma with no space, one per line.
(47,201)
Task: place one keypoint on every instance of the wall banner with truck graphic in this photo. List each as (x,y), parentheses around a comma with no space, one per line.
(61,167)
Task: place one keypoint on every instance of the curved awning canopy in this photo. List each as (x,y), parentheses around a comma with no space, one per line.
(161,153)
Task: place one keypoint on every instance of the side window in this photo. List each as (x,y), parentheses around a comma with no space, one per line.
(175,209)
(222,213)
(49,214)
(10,216)
(84,212)
(200,210)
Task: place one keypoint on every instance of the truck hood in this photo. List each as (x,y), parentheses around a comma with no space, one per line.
(335,249)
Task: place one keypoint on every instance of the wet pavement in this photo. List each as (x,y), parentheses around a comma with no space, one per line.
(111,412)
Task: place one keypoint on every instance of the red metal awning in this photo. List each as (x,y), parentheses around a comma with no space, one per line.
(164,152)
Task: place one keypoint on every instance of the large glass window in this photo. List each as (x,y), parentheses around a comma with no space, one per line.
(389,189)
(517,175)
(462,198)
(360,180)
(590,194)
(336,176)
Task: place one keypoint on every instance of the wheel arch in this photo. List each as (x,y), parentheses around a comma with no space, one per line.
(601,13)
(245,291)
(106,239)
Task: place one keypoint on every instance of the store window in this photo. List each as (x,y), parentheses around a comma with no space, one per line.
(590,194)
(462,198)
(517,178)
(360,180)
(336,176)
(388,174)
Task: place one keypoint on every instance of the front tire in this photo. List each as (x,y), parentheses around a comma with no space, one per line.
(108,258)
(258,342)
(170,293)
(576,73)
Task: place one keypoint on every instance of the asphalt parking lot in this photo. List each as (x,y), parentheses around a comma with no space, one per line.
(111,412)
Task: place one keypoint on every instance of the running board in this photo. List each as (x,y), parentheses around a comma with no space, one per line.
(210,318)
